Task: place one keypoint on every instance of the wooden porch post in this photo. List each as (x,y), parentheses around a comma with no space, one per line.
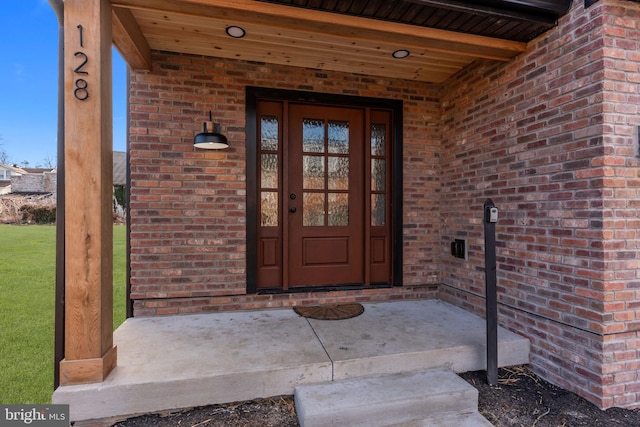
(89,351)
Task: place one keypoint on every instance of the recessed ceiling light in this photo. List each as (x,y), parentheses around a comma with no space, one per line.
(401,53)
(235,32)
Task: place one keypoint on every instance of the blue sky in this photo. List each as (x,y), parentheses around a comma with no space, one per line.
(29,84)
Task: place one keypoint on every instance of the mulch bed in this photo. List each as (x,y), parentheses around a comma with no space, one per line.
(521,399)
(274,412)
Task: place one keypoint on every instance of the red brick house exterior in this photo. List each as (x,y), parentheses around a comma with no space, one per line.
(551,137)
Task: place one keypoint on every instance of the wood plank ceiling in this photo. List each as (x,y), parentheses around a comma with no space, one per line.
(357,36)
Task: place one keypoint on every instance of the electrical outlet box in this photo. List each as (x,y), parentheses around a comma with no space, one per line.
(459,248)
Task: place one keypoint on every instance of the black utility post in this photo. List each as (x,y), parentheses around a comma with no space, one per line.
(490,219)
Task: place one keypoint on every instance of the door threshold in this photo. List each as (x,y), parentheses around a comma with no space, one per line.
(326,288)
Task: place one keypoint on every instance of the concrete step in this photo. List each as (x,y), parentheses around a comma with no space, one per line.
(426,398)
(457,420)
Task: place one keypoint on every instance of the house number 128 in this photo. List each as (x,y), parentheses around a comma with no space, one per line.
(81,91)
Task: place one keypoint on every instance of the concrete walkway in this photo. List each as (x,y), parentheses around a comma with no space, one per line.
(194,360)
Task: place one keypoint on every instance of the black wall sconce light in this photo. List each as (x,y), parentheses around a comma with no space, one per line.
(211,140)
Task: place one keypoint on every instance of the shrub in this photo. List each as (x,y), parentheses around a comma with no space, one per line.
(38,214)
(120,195)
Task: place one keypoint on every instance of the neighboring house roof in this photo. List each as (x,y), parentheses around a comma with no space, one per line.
(15,168)
(119,168)
(38,170)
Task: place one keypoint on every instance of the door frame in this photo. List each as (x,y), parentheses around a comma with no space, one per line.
(253,95)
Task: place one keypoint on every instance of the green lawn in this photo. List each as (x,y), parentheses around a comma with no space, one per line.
(27,289)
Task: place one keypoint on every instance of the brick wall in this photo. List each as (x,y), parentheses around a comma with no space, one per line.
(621,206)
(44,182)
(188,251)
(551,137)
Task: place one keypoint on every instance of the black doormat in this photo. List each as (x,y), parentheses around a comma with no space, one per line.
(330,312)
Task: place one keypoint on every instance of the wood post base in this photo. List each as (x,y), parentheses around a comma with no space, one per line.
(85,371)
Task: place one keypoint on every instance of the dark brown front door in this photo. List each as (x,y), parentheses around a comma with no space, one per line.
(325,200)
(323,195)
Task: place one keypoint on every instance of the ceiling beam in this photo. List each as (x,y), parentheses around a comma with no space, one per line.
(129,40)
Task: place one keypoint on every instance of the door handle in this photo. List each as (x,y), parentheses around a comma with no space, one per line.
(292,209)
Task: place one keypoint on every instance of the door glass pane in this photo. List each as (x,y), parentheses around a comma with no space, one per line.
(269,171)
(313,172)
(378,176)
(338,209)
(313,136)
(339,137)
(338,173)
(378,139)
(269,133)
(313,208)
(378,203)
(269,209)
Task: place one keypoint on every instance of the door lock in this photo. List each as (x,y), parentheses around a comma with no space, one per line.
(292,209)
(491,214)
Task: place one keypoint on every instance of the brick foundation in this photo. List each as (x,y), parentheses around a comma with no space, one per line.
(283,300)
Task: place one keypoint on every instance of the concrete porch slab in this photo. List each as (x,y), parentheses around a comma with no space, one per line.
(194,360)
(410,336)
